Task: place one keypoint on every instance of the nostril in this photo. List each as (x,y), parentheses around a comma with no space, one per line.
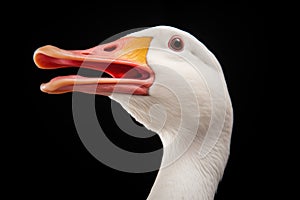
(110,48)
(85,53)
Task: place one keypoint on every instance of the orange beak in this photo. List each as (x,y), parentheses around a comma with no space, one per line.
(124,60)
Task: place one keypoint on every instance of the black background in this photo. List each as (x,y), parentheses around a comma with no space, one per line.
(54,162)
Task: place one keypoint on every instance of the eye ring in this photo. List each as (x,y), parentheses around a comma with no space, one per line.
(176,43)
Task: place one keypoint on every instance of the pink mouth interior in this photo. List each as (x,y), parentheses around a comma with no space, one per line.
(125,77)
(116,69)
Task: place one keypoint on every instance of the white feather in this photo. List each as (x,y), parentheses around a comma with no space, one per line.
(180,110)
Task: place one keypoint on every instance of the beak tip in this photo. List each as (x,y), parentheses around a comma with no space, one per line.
(41,51)
(43,87)
(35,58)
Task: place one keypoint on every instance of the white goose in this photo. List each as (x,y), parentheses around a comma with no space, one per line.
(172,84)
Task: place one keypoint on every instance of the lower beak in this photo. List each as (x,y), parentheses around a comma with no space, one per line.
(124,60)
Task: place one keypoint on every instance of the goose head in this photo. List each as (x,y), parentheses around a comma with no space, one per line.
(172,84)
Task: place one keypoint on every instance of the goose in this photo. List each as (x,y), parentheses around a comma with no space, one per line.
(171,83)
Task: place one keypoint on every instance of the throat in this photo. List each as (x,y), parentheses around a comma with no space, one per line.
(184,172)
(189,177)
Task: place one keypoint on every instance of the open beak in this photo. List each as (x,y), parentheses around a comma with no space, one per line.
(124,60)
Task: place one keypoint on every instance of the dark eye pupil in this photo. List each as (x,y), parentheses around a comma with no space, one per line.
(176,44)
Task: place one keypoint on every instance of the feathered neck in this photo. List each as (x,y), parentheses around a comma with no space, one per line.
(184,173)
(192,176)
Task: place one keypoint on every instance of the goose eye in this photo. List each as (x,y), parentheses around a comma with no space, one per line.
(176,43)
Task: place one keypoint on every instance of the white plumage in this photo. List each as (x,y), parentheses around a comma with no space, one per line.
(174,87)
(183,107)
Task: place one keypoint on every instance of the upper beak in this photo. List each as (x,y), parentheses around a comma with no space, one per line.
(124,60)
